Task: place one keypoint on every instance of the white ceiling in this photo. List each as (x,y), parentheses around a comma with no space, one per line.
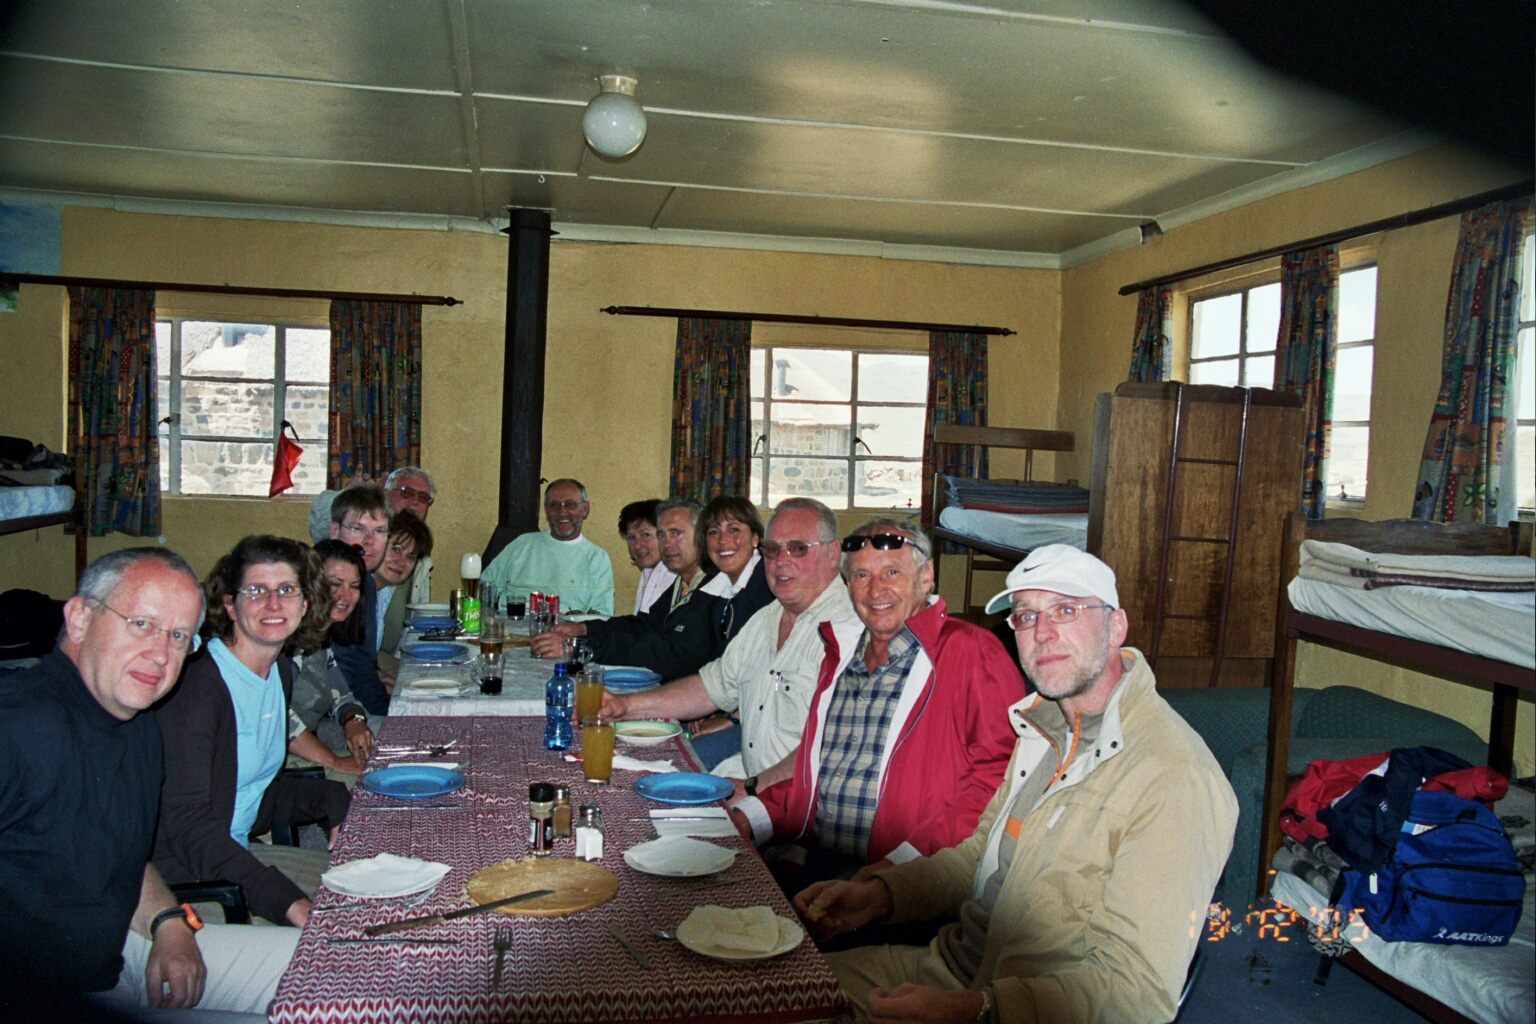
(1024,132)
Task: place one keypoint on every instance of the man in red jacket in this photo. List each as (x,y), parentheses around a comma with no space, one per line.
(908,734)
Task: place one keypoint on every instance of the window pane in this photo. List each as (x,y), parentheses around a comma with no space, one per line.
(824,479)
(891,431)
(1259,372)
(759,360)
(227,410)
(1346,462)
(1528,279)
(309,474)
(1222,371)
(1216,327)
(308,355)
(811,429)
(1352,383)
(1357,305)
(1525,451)
(229,350)
(756,493)
(888,484)
(1526,404)
(308,409)
(1263,318)
(812,374)
(888,377)
(163,401)
(758,426)
(162,349)
(226,467)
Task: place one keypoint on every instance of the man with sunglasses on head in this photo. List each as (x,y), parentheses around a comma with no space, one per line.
(90,929)
(1080,892)
(560,562)
(907,735)
(768,671)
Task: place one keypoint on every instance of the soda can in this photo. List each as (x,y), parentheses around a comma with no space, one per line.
(552,606)
(535,603)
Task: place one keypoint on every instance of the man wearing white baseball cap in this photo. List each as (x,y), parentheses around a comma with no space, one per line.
(1079,894)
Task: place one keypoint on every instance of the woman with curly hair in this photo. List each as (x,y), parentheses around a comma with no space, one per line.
(227,723)
(321,693)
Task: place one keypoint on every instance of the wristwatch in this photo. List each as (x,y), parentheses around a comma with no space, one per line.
(984,1015)
(184,912)
(750,785)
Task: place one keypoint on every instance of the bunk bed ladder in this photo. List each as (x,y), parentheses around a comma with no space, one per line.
(1160,612)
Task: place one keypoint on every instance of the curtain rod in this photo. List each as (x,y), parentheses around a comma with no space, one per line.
(1402,220)
(790,318)
(224,289)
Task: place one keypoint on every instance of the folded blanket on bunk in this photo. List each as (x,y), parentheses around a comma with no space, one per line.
(1014,496)
(1348,566)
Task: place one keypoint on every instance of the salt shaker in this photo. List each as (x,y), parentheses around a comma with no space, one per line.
(589,833)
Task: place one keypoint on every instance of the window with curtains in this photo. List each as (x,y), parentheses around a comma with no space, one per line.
(225,389)
(1525,402)
(844,426)
(1232,342)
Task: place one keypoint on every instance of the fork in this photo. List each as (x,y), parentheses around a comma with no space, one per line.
(501,945)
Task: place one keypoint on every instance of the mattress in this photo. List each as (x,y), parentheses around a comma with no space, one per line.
(22,502)
(1494,625)
(1021,532)
(1491,985)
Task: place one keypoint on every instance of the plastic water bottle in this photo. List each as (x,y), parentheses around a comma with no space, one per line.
(558,695)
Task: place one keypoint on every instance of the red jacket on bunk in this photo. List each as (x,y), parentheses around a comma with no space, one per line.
(947,748)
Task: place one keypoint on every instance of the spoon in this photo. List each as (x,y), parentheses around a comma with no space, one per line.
(662,933)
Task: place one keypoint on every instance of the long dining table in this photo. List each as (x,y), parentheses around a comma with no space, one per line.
(567,969)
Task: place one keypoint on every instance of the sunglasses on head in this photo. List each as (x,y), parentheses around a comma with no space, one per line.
(878,541)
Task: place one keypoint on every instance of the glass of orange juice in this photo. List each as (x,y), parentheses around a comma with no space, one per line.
(589,692)
(597,749)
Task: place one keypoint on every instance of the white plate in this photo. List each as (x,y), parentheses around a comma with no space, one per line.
(790,936)
(679,857)
(384,877)
(644,733)
(431,686)
(427,608)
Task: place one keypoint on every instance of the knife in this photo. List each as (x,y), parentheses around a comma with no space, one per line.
(413,942)
(679,890)
(629,947)
(422,922)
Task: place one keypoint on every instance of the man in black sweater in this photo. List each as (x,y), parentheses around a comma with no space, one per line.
(80,774)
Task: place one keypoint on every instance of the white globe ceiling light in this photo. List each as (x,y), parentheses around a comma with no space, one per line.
(614,123)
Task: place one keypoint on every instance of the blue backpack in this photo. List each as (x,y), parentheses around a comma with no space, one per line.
(1451,878)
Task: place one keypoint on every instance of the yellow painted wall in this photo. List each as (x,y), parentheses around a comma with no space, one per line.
(609,379)
(1413,277)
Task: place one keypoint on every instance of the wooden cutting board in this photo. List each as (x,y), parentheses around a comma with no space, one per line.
(577,884)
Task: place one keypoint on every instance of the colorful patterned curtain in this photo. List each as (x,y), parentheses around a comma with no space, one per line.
(375,414)
(711,421)
(1151,352)
(957,396)
(1309,333)
(1460,473)
(112,423)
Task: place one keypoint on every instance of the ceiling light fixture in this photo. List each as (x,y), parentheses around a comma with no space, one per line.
(614,123)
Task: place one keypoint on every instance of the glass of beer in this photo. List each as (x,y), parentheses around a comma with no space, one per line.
(597,749)
(589,692)
(491,640)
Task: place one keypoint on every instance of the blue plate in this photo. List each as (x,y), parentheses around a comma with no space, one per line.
(413,781)
(682,789)
(621,676)
(426,622)
(437,652)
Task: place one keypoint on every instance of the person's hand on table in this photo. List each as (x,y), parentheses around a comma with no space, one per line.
(359,738)
(351,764)
(175,973)
(298,911)
(832,908)
(923,1004)
(614,706)
(552,644)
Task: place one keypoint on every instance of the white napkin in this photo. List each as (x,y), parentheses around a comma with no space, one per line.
(384,875)
(750,930)
(718,822)
(679,855)
(634,764)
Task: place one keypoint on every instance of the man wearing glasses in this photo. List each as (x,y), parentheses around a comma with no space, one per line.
(360,517)
(83,910)
(1080,892)
(561,562)
(907,735)
(410,488)
(768,671)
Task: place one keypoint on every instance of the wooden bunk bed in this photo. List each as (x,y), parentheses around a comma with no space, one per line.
(1507,680)
(1190,484)
(69,517)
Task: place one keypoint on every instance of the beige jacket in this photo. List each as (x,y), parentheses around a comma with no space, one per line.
(1102,906)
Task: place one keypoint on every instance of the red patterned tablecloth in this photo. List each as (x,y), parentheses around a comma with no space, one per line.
(560,968)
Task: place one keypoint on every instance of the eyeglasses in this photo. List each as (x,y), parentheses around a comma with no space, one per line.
(878,541)
(771,549)
(258,593)
(412,494)
(148,629)
(358,530)
(562,506)
(1060,615)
